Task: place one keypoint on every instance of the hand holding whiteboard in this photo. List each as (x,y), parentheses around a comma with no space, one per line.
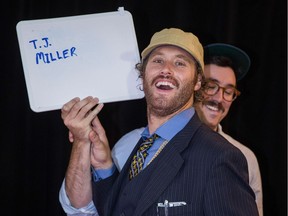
(79,56)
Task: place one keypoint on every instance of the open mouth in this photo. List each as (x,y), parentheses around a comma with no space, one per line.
(165,85)
(212,108)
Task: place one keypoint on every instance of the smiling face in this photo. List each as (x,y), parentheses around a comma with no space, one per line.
(169,80)
(214,108)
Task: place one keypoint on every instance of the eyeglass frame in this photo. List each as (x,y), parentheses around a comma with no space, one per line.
(204,87)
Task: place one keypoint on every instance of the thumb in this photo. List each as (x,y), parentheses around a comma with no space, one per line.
(71,137)
(98,128)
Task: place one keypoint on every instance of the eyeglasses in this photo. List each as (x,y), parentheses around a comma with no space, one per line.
(211,88)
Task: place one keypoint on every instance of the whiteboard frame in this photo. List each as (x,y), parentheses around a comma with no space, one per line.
(111,76)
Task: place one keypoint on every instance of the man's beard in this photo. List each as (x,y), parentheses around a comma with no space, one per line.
(164,105)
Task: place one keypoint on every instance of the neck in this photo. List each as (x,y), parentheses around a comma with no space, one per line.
(155,121)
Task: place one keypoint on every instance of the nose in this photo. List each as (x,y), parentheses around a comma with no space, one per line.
(219,95)
(167,68)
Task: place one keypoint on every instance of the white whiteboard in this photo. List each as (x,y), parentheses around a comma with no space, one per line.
(79,56)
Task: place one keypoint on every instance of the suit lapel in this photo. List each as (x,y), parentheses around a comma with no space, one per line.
(167,167)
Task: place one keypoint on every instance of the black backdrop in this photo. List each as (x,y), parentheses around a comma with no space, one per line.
(34,146)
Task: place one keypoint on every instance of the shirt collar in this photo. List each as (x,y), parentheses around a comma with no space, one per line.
(170,128)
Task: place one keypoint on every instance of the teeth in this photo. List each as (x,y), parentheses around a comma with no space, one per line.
(165,83)
(212,108)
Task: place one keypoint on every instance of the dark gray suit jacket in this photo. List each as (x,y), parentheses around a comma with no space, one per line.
(198,167)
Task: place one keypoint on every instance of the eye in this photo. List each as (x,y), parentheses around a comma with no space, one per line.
(229,91)
(180,63)
(157,60)
(211,86)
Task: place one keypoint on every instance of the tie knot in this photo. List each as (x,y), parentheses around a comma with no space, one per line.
(148,142)
(152,138)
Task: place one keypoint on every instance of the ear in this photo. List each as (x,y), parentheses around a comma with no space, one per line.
(198,83)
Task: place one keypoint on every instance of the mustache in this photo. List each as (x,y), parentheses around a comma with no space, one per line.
(167,77)
(214,104)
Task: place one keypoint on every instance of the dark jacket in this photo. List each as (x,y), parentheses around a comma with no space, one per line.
(198,167)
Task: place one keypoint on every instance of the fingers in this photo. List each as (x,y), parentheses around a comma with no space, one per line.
(94,138)
(97,126)
(67,107)
(99,133)
(82,108)
(93,114)
(78,110)
(100,151)
(90,111)
(78,116)
(71,137)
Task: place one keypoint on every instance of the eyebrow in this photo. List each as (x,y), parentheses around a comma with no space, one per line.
(217,81)
(186,58)
(189,59)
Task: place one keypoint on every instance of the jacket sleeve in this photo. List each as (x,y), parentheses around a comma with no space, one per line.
(228,191)
(101,190)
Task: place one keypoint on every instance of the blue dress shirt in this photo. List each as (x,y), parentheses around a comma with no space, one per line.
(165,132)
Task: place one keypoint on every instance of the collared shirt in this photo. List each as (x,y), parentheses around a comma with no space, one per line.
(165,132)
(255,181)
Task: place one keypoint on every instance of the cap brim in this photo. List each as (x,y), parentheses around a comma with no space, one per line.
(240,59)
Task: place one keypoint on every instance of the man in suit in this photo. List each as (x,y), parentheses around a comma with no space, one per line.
(225,65)
(189,170)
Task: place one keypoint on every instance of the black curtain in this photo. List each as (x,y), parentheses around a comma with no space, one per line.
(34,146)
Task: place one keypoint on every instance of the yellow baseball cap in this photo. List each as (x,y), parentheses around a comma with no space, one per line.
(174,36)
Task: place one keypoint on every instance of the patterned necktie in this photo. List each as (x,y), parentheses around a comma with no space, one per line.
(139,158)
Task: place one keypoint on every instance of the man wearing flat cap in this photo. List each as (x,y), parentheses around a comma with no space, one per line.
(179,166)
